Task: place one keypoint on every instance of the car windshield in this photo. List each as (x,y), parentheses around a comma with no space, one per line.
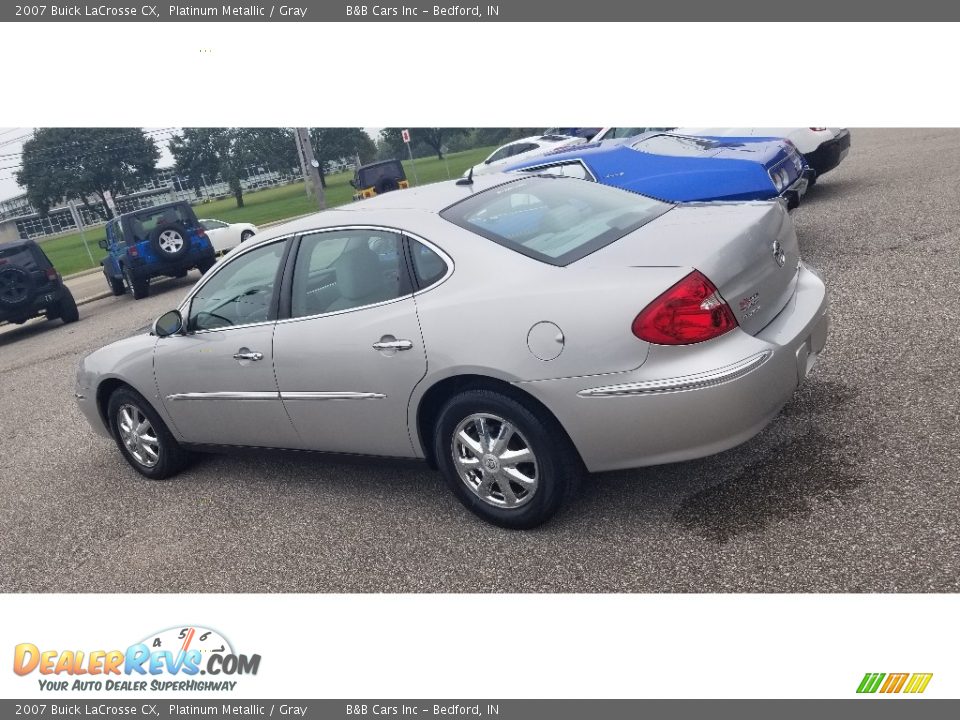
(553,219)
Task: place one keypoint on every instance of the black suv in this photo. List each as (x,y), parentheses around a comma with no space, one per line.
(31,286)
(164,240)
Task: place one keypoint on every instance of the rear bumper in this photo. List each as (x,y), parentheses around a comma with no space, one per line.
(37,305)
(691,401)
(147,270)
(829,154)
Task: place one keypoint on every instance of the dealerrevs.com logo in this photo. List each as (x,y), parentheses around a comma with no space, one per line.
(172,659)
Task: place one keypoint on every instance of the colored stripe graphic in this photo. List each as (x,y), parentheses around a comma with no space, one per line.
(870,682)
(894,682)
(918,683)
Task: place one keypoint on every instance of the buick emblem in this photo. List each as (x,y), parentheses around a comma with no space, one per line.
(778,254)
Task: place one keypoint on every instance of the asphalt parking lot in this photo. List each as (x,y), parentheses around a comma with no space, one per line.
(854,487)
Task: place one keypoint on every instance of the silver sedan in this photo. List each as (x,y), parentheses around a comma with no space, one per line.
(514,333)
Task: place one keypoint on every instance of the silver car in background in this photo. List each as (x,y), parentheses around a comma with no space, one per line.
(513,332)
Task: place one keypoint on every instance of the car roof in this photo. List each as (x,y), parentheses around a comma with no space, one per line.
(154,207)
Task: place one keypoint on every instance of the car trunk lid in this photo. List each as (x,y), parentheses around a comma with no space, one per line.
(748,250)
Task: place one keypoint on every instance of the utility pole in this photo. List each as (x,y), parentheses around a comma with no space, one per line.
(312,168)
(303,162)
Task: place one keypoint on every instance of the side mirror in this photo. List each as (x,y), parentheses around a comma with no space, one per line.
(102,244)
(170,323)
(353,184)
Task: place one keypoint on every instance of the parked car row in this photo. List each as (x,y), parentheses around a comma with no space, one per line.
(684,164)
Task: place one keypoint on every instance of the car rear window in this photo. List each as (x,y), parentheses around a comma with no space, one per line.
(553,219)
(16,255)
(144,222)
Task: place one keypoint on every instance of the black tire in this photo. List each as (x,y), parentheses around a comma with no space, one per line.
(171,458)
(115,284)
(558,467)
(68,307)
(204,265)
(16,288)
(246,235)
(171,241)
(140,287)
(387,184)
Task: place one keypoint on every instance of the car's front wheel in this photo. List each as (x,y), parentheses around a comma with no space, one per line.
(143,438)
(246,235)
(115,284)
(140,287)
(502,461)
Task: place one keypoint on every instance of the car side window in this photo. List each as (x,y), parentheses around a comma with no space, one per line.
(111,232)
(428,266)
(240,292)
(345,269)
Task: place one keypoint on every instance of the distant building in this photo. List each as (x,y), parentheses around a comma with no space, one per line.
(18,216)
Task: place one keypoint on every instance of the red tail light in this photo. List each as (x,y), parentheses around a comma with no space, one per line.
(51,274)
(132,251)
(690,312)
(201,232)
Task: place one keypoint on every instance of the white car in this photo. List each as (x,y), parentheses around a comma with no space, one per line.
(226,236)
(521,149)
(823,148)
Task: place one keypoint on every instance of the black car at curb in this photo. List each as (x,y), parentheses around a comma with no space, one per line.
(30,286)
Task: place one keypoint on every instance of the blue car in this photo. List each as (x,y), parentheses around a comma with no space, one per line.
(160,241)
(679,168)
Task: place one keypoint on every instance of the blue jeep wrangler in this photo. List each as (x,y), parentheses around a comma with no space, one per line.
(161,241)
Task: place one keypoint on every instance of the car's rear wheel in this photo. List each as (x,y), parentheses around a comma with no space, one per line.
(68,307)
(502,460)
(140,287)
(143,438)
(204,265)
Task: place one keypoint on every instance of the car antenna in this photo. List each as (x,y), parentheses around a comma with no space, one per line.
(468,180)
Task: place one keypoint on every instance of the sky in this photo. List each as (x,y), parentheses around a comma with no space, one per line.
(12,140)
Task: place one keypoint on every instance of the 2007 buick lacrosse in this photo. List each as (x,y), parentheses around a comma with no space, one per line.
(514,333)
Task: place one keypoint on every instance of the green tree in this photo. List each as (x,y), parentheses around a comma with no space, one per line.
(420,139)
(331,144)
(77,163)
(230,152)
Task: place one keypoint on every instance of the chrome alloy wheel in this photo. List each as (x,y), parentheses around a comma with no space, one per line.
(495,461)
(138,435)
(170,241)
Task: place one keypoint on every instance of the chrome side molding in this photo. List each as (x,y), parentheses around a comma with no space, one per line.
(696,381)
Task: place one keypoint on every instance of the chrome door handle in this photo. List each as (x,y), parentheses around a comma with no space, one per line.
(248,356)
(393,345)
